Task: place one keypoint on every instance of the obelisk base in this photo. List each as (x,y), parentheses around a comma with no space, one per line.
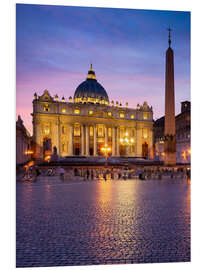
(170,150)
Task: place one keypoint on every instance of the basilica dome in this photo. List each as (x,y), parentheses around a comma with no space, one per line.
(90,91)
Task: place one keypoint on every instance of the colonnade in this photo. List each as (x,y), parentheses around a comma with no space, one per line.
(85,140)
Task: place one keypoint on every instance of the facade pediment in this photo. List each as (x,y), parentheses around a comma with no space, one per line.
(46,96)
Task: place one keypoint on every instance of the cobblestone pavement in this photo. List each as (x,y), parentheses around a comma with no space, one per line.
(98,222)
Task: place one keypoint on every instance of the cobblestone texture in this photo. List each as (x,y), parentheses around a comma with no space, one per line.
(98,222)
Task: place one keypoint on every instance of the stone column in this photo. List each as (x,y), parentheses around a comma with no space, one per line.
(106,135)
(151,152)
(82,141)
(117,142)
(113,142)
(55,135)
(38,139)
(95,141)
(87,141)
(139,142)
(70,140)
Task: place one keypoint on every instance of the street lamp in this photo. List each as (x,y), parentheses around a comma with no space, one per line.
(106,149)
(126,141)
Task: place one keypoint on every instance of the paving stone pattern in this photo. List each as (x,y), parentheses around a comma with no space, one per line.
(97,222)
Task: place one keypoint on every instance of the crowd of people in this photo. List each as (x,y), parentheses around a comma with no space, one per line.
(141,173)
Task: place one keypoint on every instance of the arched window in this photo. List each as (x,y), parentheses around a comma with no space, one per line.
(109,132)
(145,115)
(77,130)
(46,130)
(91,131)
(46,108)
(145,149)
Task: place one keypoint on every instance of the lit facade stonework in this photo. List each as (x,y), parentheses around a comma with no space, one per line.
(82,125)
(23,143)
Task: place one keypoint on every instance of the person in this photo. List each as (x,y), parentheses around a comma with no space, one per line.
(87,174)
(140,173)
(37,171)
(160,175)
(105,175)
(119,174)
(112,174)
(75,172)
(188,175)
(92,174)
(172,174)
(61,172)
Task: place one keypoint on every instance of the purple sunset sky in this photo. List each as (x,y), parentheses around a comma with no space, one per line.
(56,44)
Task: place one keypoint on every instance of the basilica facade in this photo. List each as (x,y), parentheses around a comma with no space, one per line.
(82,125)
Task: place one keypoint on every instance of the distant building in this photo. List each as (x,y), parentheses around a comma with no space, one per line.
(82,125)
(183,150)
(23,143)
(182,122)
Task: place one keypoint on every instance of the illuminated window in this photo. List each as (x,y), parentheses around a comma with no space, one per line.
(145,115)
(63,110)
(132,116)
(76,130)
(100,131)
(109,132)
(90,112)
(76,111)
(122,115)
(109,113)
(91,131)
(46,130)
(145,133)
(46,108)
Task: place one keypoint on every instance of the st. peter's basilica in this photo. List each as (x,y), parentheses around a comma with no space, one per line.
(82,125)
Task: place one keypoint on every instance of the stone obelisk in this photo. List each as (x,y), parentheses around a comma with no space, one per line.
(169,124)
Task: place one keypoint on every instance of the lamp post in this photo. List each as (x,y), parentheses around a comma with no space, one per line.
(106,149)
(126,141)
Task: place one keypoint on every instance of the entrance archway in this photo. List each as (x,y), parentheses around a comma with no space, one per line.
(47,147)
(122,150)
(145,150)
(76,149)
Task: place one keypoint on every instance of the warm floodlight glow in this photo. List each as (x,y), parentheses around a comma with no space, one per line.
(47,158)
(63,110)
(28,152)
(184,155)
